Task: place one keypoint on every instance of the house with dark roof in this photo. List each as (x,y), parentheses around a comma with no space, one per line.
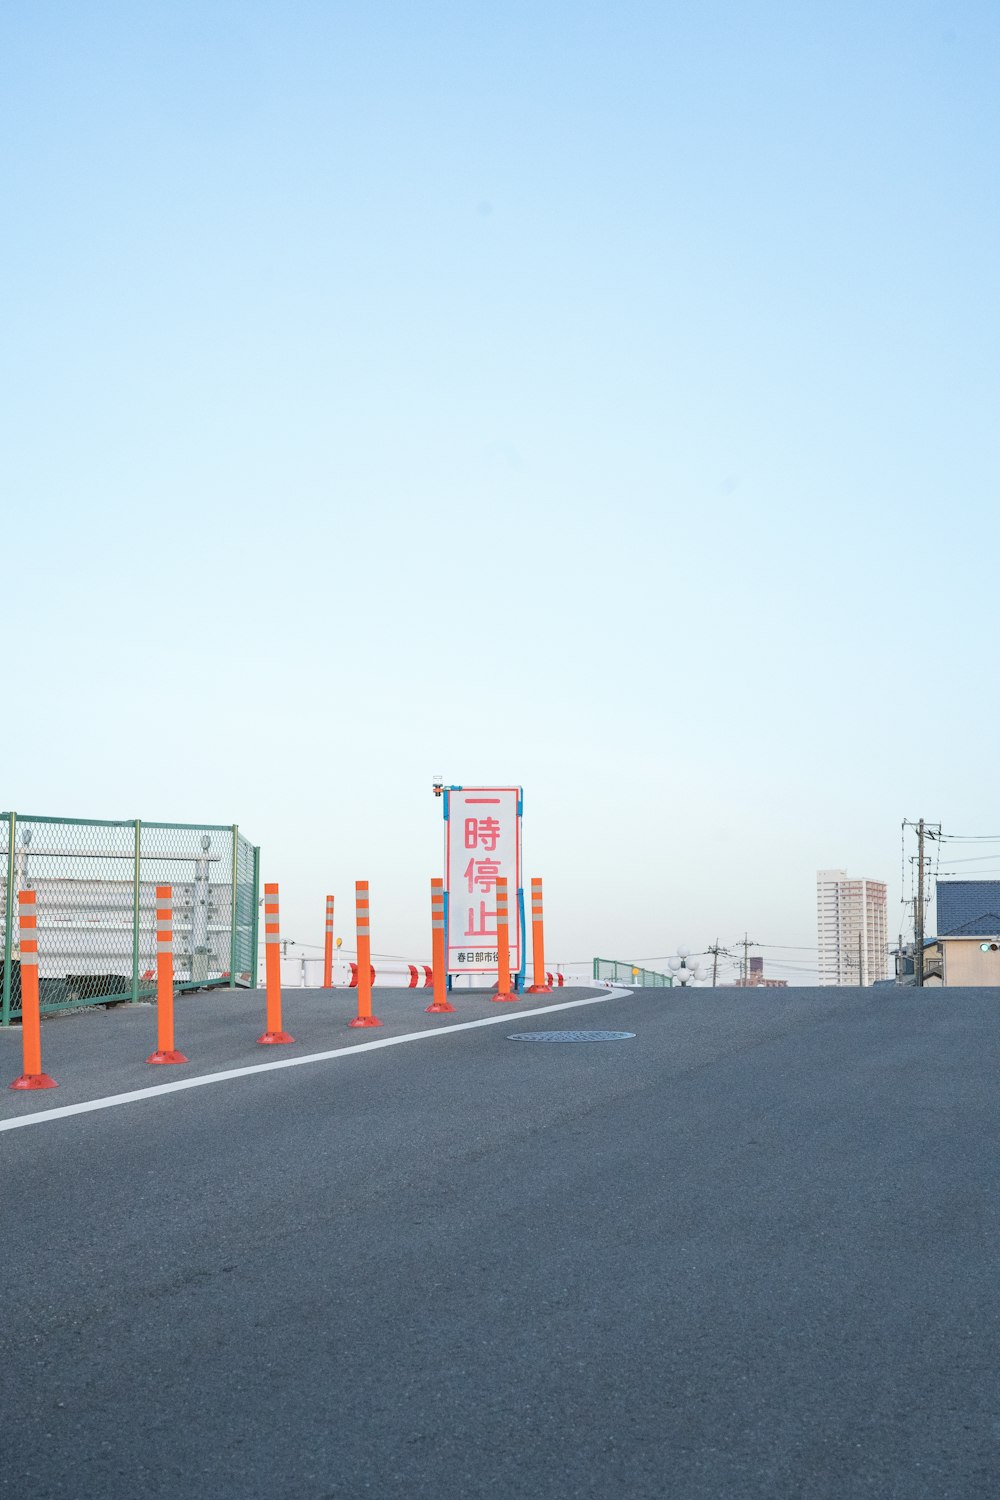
(968,931)
(905,964)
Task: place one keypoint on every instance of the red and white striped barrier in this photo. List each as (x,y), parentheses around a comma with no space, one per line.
(298,972)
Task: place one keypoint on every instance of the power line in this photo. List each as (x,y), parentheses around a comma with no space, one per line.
(973,859)
(781,964)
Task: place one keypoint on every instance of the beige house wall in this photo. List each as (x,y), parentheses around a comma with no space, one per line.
(965,963)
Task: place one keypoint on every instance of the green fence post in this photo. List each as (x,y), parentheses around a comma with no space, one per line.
(232,915)
(8,936)
(135,911)
(256,917)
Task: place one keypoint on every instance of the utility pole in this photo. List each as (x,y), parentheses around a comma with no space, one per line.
(747,945)
(861,969)
(925,831)
(918,911)
(715,951)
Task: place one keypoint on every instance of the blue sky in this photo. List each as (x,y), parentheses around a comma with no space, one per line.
(597,397)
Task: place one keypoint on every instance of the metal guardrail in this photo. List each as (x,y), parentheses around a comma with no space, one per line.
(619,971)
(95,882)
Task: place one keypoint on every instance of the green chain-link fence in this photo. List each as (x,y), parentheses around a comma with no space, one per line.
(95,885)
(617,969)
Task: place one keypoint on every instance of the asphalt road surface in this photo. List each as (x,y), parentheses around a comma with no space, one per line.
(750,1252)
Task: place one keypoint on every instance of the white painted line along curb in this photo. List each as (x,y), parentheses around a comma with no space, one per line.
(112,1100)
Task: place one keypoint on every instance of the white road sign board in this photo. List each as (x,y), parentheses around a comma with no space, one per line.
(482,841)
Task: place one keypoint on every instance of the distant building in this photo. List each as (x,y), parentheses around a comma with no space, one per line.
(851,929)
(755,980)
(968,933)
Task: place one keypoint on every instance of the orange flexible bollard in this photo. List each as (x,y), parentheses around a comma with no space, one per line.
(540,987)
(364,1016)
(165,979)
(274,1036)
(503,943)
(440,1004)
(328,947)
(31,1015)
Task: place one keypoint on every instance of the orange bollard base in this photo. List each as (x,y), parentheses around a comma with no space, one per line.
(539,989)
(274,1039)
(34,1081)
(365,1021)
(438,1010)
(507,996)
(166,1057)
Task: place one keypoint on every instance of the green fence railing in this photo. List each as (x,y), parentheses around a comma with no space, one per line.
(617,969)
(95,887)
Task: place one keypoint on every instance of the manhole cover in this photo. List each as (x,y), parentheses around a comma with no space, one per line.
(571,1036)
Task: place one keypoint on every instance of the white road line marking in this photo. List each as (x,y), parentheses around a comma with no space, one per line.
(110,1101)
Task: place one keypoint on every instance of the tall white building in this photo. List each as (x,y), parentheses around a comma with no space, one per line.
(852,929)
